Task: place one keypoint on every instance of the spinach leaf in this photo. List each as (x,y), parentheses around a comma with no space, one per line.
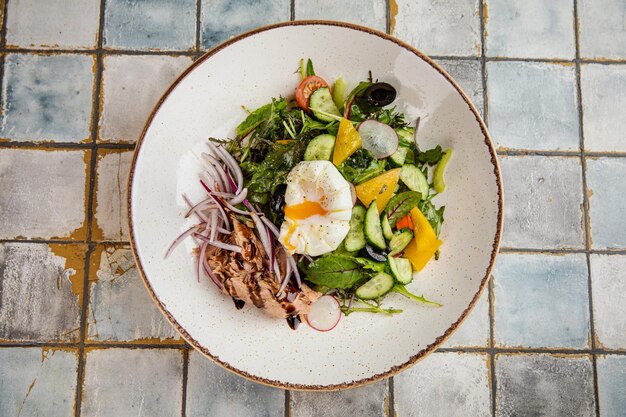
(431,156)
(335,271)
(433,215)
(400,205)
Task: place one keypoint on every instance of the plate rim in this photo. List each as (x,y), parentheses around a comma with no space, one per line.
(414,358)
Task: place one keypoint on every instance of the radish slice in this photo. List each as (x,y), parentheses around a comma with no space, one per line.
(353,194)
(378,138)
(325,313)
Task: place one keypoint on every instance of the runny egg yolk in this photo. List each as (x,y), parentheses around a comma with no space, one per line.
(305,210)
(301,211)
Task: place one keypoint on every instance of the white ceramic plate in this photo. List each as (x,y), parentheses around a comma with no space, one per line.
(206,101)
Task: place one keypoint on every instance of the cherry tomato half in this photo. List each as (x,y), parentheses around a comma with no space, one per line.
(306,88)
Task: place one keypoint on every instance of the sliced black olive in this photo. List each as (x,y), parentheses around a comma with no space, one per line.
(374,254)
(379,94)
(277,201)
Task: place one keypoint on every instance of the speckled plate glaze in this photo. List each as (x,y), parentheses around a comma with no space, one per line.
(206,101)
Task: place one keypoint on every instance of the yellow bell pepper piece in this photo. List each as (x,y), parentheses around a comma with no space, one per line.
(348,141)
(424,243)
(379,188)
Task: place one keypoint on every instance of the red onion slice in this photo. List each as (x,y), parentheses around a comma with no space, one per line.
(239,198)
(182,237)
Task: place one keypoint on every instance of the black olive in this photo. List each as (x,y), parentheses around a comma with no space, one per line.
(277,202)
(379,94)
(374,254)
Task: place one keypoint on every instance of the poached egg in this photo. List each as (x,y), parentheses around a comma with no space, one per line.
(318,207)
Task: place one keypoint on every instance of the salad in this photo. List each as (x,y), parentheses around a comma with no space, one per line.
(321,205)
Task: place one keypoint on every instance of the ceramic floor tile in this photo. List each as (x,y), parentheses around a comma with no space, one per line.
(222,19)
(604,100)
(445,384)
(127,100)
(371,13)
(214,391)
(602,28)
(543,202)
(138,382)
(544,117)
(164,25)
(434,27)
(47,98)
(120,308)
(541,301)
(110,219)
(53,24)
(607,202)
(37,382)
(530,29)
(367,401)
(469,77)
(544,385)
(37,186)
(474,332)
(612,385)
(608,275)
(41,290)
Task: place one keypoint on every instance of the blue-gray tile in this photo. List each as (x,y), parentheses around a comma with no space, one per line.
(41,291)
(530,29)
(445,384)
(370,13)
(604,100)
(612,385)
(469,77)
(37,382)
(53,24)
(126,101)
(367,401)
(544,385)
(165,25)
(543,202)
(602,28)
(214,391)
(120,308)
(544,117)
(138,382)
(474,331)
(607,202)
(47,98)
(222,19)
(110,220)
(541,301)
(608,274)
(55,180)
(448,27)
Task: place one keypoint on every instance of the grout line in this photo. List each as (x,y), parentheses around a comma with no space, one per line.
(185,380)
(66,145)
(83,330)
(586,220)
(292,10)
(392,397)
(287,406)
(66,242)
(492,355)
(198,17)
(564,251)
(525,152)
(388,17)
(3,39)
(108,51)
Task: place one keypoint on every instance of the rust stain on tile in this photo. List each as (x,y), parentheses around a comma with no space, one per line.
(94,263)
(74,256)
(393,12)
(47,352)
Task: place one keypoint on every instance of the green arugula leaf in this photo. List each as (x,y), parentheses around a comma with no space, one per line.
(400,205)
(264,113)
(431,156)
(401,289)
(309,68)
(432,214)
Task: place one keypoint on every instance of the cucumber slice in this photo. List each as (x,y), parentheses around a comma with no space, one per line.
(414,179)
(355,240)
(376,287)
(400,269)
(320,148)
(372,228)
(387,232)
(439,183)
(400,241)
(322,105)
(339,92)
(399,156)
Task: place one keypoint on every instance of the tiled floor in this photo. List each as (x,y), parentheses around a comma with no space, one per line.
(79,335)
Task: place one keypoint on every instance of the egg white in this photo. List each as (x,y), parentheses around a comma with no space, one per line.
(321,182)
